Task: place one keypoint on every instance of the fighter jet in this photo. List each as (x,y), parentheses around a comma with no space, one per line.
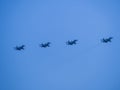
(106,40)
(44,45)
(71,42)
(19,48)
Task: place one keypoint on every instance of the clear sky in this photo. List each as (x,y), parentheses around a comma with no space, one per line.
(89,65)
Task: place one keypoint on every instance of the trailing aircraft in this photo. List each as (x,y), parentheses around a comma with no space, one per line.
(71,42)
(19,48)
(106,40)
(44,45)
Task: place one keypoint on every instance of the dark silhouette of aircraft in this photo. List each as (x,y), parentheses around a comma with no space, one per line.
(71,42)
(106,40)
(45,45)
(19,48)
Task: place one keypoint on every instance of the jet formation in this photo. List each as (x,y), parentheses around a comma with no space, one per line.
(106,40)
(69,42)
(19,48)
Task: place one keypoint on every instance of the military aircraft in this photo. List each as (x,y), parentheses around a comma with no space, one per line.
(44,45)
(106,40)
(20,47)
(71,42)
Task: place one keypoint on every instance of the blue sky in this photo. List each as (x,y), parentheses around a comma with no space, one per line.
(89,65)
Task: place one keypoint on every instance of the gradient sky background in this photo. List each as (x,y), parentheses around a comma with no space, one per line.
(89,65)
